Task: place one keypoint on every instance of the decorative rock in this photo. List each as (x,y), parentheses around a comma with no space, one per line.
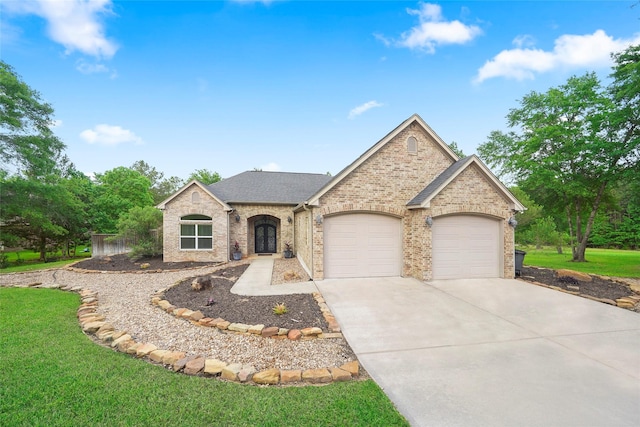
(270,331)
(238,327)
(124,346)
(105,327)
(604,300)
(194,366)
(217,320)
(91,317)
(164,304)
(256,329)
(201,283)
(145,349)
(105,336)
(316,376)
(230,372)
(625,302)
(181,363)
(269,376)
(117,335)
(330,335)
(223,325)
(352,367)
(157,355)
(186,314)
(92,326)
(635,288)
(196,315)
(214,366)
(172,357)
(573,288)
(246,373)
(311,331)
(206,321)
(290,376)
(338,374)
(283,331)
(155,300)
(294,335)
(582,277)
(145,265)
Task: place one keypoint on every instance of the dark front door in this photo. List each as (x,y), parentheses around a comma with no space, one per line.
(265,237)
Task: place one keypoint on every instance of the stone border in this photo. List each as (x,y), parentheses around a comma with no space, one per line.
(96,325)
(273,332)
(630,302)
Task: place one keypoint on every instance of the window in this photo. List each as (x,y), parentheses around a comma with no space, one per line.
(196,232)
(412,145)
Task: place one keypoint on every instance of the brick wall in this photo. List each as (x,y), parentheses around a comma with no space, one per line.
(243,231)
(191,201)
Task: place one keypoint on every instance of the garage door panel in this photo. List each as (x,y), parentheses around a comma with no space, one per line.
(362,245)
(466,246)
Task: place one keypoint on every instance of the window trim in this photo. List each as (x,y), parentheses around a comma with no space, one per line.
(197,221)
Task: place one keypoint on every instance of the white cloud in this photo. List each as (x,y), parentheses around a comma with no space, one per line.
(355,112)
(433,30)
(569,51)
(75,24)
(109,135)
(271,167)
(87,68)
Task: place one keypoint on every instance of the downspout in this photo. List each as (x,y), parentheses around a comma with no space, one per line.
(304,206)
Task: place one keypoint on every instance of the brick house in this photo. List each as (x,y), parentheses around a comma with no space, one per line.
(408,206)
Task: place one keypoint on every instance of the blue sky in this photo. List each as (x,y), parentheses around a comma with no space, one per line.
(296,86)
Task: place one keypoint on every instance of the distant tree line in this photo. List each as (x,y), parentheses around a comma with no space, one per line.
(47,204)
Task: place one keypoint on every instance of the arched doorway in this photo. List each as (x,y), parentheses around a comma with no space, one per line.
(265,232)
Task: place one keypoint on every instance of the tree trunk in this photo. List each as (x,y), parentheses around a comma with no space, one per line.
(579,255)
(559,248)
(42,246)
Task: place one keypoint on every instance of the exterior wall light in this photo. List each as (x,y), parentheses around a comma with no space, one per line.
(237,218)
(513,222)
(289,220)
(319,219)
(428,221)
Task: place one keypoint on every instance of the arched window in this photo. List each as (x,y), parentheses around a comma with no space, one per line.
(412,145)
(196,232)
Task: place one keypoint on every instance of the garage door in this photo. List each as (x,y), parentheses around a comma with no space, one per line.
(466,246)
(362,245)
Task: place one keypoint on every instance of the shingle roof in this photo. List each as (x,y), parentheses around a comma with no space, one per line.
(268,187)
(434,185)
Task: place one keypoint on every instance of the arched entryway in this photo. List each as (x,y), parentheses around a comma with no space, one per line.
(265,231)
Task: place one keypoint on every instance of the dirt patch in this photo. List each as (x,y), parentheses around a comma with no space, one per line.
(302,309)
(123,263)
(598,287)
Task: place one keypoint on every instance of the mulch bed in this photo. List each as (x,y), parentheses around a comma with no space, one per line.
(123,263)
(302,309)
(598,287)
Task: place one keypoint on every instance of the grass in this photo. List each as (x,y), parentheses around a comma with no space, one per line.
(27,260)
(605,262)
(53,375)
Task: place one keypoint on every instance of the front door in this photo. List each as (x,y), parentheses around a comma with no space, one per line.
(265,232)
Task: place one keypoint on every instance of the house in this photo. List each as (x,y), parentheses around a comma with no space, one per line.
(408,206)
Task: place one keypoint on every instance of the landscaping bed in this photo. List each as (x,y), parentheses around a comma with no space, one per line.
(122,262)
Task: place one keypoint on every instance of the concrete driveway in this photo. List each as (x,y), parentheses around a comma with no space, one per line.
(492,352)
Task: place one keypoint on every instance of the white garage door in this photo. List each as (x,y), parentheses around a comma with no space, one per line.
(362,245)
(466,246)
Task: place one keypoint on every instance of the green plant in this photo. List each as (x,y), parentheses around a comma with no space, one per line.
(280,309)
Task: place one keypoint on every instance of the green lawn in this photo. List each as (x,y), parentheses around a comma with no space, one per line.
(605,262)
(27,260)
(53,375)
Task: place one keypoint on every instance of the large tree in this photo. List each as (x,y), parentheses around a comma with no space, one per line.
(205,176)
(161,187)
(119,190)
(569,145)
(27,144)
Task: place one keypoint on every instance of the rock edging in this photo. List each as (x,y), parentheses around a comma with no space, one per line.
(273,332)
(93,323)
(630,302)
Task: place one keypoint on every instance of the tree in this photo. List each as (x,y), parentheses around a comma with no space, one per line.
(454,147)
(119,190)
(143,226)
(568,146)
(161,187)
(205,176)
(26,139)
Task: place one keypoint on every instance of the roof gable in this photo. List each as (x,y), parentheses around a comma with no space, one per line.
(261,187)
(423,198)
(200,185)
(314,199)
